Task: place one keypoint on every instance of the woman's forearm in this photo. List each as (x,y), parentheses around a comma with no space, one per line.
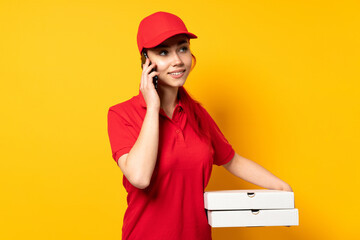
(139,164)
(254,173)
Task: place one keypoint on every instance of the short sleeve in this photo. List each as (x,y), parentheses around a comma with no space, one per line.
(121,135)
(223,151)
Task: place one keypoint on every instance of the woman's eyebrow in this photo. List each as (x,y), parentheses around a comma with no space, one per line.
(166,46)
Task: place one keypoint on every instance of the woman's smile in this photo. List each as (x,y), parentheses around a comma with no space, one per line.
(177,74)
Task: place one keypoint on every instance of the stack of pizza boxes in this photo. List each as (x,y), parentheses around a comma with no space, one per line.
(251,208)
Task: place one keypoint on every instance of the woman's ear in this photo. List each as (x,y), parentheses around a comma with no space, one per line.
(193,62)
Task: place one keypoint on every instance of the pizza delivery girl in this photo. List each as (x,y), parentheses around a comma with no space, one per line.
(165,142)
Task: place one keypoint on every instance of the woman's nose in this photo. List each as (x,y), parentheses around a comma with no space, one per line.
(176,60)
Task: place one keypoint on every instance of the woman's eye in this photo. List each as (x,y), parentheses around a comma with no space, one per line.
(163,52)
(183,49)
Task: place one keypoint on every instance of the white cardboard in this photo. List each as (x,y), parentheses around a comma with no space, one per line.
(248,199)
(248,218)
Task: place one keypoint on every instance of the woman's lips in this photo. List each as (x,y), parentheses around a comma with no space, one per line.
(177,74)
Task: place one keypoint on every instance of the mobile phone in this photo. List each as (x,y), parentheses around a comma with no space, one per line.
(143,59)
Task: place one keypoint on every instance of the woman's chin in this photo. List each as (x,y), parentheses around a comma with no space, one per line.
(172,84)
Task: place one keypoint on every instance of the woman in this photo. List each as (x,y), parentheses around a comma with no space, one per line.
(165,143)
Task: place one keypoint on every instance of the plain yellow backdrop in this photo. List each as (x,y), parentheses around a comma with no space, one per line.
(281,79)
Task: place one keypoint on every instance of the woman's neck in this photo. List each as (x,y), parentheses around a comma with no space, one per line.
(168,99)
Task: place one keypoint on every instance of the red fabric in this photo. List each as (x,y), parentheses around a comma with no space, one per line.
(159,26)
(172,206)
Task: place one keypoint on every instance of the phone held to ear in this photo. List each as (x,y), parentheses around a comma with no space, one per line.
(143,59)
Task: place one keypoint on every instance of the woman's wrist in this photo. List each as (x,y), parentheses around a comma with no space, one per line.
(154,109)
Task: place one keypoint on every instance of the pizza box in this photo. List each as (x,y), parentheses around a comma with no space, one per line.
(250,208)
(248,199)
(253,218)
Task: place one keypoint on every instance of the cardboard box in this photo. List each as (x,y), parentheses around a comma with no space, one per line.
(250,208)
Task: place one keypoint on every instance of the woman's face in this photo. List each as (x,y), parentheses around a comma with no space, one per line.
(173,60)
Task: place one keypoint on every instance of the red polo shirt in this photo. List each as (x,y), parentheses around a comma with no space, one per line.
(172,206)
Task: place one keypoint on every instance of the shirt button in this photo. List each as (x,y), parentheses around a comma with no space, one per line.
(177,131)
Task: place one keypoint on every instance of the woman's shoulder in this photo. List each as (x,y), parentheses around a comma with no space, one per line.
(131,111)
(127,105)
(205,112)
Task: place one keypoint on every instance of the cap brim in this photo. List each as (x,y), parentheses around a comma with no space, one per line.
(161,38)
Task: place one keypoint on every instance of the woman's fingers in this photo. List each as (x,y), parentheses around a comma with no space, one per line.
(151,76)
(149,73)
(144,73)
(149,68)
(146,85)
(148,82)
(146,63)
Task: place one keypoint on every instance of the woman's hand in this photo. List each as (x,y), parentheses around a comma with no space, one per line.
(147,87)
(286,187)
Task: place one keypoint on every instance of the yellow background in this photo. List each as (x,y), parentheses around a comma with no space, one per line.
(281,79)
